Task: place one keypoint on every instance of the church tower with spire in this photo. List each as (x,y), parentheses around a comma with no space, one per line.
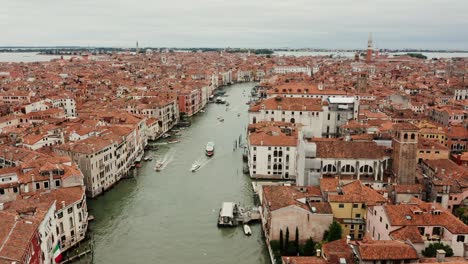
(370,49)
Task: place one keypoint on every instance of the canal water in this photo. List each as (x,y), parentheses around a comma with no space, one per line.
(170,216)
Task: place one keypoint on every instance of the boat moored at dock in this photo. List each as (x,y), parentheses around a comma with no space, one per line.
(247,230)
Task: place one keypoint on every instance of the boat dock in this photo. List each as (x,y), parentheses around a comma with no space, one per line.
(232,214)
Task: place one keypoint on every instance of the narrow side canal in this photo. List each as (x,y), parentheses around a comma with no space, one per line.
(170,216)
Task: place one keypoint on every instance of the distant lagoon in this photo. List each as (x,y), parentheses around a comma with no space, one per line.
(26,57)
(36,57)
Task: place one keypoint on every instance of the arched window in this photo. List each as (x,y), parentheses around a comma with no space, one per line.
(348,169)
(366,169)
(280,167)
(405,136)
(293,120)
(254,121)
(280,153)
(329,168)
(275,153)
(413,136)
(275,166)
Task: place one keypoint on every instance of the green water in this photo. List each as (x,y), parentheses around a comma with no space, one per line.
(170,216)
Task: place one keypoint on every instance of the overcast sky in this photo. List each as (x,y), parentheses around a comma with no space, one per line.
(432,24)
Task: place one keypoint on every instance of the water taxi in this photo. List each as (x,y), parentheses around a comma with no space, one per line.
(209,150)
(158,166)
(195,167)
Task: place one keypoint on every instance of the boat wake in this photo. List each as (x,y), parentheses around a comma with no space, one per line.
(202,162)
(168,158)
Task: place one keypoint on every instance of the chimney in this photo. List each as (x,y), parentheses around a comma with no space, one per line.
(348,239)
(440,255)
(287,260)
(319,252)
(63,204)
(2,207)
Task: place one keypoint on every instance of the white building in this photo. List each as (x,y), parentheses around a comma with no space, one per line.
(349,160)
(272,150)
(292,69)
(305,111)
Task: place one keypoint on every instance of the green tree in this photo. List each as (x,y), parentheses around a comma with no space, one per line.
(334,231)
(296,241)
(309,248)
(276,248)
(281,241)
(431,250)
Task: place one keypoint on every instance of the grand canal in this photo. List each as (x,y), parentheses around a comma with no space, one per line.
(170,216)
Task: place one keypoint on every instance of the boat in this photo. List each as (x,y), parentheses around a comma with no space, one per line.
(247,230)
(238,114)
(227,103)
(158,166)
(175,130)
(209,150)
(177,134)
(148,158)
(195,167)
(166,135)
(172,141)
(221,119)
(202,111)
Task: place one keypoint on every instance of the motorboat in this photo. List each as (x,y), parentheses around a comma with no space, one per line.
(195,167)
(227,103)
(209,150)
(148,158)
(220,119)
(166,135)
(247,230)
(172,141)
(158,166)
(202,111)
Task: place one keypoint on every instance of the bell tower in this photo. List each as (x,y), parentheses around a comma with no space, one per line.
(405,147)
(370,48)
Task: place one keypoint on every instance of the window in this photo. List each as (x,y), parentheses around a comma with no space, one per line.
(351,227)
(71,221)
(46,185)
(328,118)
(340,205)
(386,226)
(38,186)
(358,216)
(60,215)
(2,191)
(15,189)
(355,205)
(254,148)
(57,183)
(70,210)
(460,238)
(381,219)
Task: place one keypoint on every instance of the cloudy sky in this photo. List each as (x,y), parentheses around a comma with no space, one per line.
(431,24)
